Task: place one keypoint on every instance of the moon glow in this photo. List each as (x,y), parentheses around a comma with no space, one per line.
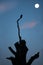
(37,5)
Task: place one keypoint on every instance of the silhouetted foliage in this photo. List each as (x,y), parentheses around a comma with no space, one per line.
(21,51)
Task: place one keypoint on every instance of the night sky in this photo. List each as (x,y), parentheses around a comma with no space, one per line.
(31,27)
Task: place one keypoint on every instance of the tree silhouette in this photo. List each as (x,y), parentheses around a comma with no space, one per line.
(21,51)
